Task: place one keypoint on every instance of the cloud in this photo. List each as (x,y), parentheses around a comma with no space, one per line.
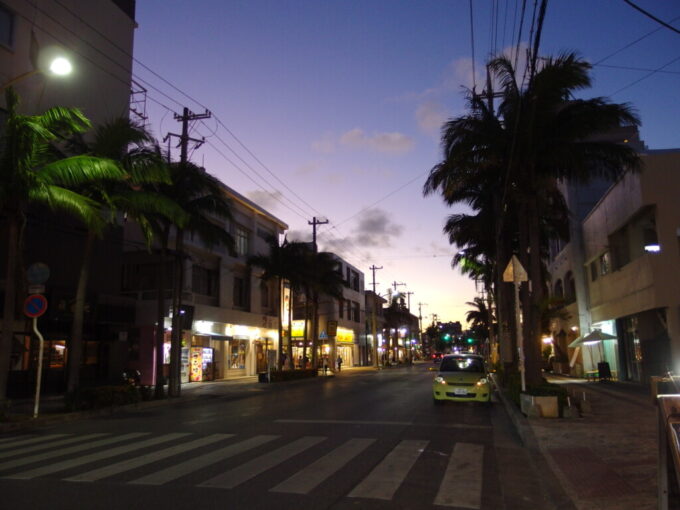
(431,116)
(309,168)
(391,143)
(388,143)
(266,199)
(376,228)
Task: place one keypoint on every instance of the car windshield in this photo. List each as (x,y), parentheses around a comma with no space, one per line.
(461,364)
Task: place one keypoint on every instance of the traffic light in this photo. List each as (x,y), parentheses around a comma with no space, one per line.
(470,340)
(447,337)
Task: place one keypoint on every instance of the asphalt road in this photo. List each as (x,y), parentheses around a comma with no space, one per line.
(360,440)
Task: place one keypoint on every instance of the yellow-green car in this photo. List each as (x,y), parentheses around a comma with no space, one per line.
(461,378)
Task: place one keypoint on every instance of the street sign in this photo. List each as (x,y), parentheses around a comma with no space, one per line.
(35,305)
(514,271)
(37,273)
(323,335)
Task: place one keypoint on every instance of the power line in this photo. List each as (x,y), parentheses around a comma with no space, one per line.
(628,68)
(632,43)
(651,16)
(645,76)
(472,44)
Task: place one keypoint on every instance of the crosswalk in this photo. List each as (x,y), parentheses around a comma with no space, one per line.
(142,458)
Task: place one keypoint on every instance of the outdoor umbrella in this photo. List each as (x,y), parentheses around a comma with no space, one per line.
(594,336)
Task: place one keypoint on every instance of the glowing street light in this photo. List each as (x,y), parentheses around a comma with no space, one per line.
(59,65)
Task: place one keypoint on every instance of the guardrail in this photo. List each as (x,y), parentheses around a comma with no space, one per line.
(669,451)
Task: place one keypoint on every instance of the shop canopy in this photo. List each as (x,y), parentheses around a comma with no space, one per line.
(591,338)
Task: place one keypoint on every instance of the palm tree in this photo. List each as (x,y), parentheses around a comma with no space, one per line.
(322,278)
(282,263)
(31,172)
(133,148)
(203,199)
(553,138)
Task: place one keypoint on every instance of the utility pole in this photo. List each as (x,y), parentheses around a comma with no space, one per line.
(408,300)
(175,384)
(373,269)
(420,323)
(395,284)
(316,221)
(374,325)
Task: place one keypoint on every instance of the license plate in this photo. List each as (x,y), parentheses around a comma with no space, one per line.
(460,391)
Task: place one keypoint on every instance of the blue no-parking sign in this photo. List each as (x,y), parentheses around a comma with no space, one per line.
(35,305)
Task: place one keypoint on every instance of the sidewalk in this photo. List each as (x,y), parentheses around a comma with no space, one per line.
(606,458)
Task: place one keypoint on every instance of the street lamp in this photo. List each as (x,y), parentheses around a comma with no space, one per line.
(54,65)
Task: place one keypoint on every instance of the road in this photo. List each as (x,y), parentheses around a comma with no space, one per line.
(363,439)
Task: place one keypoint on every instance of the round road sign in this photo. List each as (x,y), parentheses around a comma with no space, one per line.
(35,305)
(37,273)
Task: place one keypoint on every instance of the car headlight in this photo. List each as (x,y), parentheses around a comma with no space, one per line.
(439,380)
(482,381)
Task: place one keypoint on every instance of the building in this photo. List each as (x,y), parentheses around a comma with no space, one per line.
(342,321)
(231,323)
(97,36)
(375,324)
(618,275)
(632,262)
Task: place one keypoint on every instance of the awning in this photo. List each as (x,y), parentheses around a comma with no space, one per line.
(593,337)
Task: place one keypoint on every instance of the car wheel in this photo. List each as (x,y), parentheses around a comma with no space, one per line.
(438,402)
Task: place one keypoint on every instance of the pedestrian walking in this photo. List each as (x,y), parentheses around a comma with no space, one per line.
(339,362)
(325,365)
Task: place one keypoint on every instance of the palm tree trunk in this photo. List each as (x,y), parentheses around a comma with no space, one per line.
(75,348)
(289,346)
(175,385)
(532,347)
(315,330)
(304,339)
(279,347)
(160,314)
(9,308)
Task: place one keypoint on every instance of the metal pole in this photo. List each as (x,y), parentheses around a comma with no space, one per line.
(520,339)
(40,362)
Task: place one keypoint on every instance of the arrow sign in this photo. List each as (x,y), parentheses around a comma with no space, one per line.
(35,305)
(514,272)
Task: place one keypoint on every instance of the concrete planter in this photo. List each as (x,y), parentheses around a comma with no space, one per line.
(543,407)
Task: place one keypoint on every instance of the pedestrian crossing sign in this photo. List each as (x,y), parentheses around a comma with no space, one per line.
(323,335)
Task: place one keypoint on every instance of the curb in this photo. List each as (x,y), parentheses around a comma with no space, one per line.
(551,483)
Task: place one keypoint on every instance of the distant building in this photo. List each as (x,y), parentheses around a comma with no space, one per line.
(231,325)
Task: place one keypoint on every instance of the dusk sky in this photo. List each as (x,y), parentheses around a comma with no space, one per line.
(336,107)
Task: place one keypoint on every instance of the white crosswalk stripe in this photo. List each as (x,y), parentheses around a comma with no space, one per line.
(387,476)
(462,483)
(94,457)
(460,487)
(51,444)
(68,451)
(260,464)
(4,442)
(319,471)
(189,466)
(129,464)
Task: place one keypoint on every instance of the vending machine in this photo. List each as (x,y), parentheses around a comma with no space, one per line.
(201,364)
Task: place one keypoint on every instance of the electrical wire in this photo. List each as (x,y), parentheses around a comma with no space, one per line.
(651,16)
(645,76)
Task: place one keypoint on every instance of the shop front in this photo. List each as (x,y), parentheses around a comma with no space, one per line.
(223,351)
(344,346)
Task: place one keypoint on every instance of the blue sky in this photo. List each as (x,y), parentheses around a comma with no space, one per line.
(339,104)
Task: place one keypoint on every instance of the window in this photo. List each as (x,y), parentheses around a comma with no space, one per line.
(605,265)
(241,293)
(348,273)
(265,234)
(569,287)
(242,238)
(593,270)
(356,312)
(264,294)
(204,281)
(355,280)
(341,306)
(6,27)
(559,289)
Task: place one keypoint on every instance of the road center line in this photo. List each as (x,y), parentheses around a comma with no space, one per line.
(387,423)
